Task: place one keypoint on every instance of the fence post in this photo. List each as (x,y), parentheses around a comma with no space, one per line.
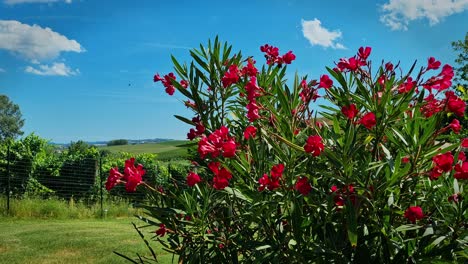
(8,179)
(100,182)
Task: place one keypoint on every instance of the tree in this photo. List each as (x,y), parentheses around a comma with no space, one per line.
(117,142)
(461,75)
(11,120)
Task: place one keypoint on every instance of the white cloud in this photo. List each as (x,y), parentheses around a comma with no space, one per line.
(14,2)
(57,69)
(398,13)
(34,42)
(318,35)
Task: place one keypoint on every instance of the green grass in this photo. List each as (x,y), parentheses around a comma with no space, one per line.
(72,241)
(166,149)
(54,208)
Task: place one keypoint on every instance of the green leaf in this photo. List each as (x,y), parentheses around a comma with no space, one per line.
(403,228)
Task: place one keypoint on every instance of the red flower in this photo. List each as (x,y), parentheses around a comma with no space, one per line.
(414,213)
(464,143)
(368,120)
(432,64)
(349,111)
(133,175)
(455,105)
(162,230)
(229,148)
(166,81)
(250,131)
(461,156)
(218,141)
(250,69)
(405,160)
(461,171)
(314,145)
(303,186)
(444,161)
(277,171)
(231,76)
(288,57)
(222,175)
(272,182)
(364,53)
(325,82)
(114,178)
(184,83)
(389,66)
(264,182)
(455,126)
(407,86)
(192,179)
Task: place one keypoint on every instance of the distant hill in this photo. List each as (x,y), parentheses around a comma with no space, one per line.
(130,142)
(168,149)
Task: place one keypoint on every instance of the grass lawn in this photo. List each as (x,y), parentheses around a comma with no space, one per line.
(72,241)
(166,149)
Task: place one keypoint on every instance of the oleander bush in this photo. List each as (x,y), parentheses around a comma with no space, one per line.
(372,175)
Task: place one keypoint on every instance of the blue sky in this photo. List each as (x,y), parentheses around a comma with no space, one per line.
(82,69)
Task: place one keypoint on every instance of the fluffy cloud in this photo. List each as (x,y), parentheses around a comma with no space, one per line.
(398,13)
(14,2)
(57,68)
(34,42)
(318,35)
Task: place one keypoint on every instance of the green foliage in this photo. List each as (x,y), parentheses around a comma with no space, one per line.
(11,120)
(461,47)
(117,142)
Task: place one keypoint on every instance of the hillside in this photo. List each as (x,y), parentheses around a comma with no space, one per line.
(165,150)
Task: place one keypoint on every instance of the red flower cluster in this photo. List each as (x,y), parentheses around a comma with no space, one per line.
(455,126)
(250,69)
(353,63)
(192,179)
(132,176)
(199,129)
(308,92)
(414,213)
(222,175)
(250,131)
(272,182)
(349,111)
(253,91)
(167,82)
(431,107)
(272,55)
(314,145)
(407,86)
(303,186)
(461,171)
(218,142)
(455,104)
(442,163)
(325,82)
(231,76)
(340,196)
(442,81)
(368,120)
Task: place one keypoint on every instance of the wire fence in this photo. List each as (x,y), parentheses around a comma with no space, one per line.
(80,179)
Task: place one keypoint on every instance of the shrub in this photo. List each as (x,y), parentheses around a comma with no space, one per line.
(380,181)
